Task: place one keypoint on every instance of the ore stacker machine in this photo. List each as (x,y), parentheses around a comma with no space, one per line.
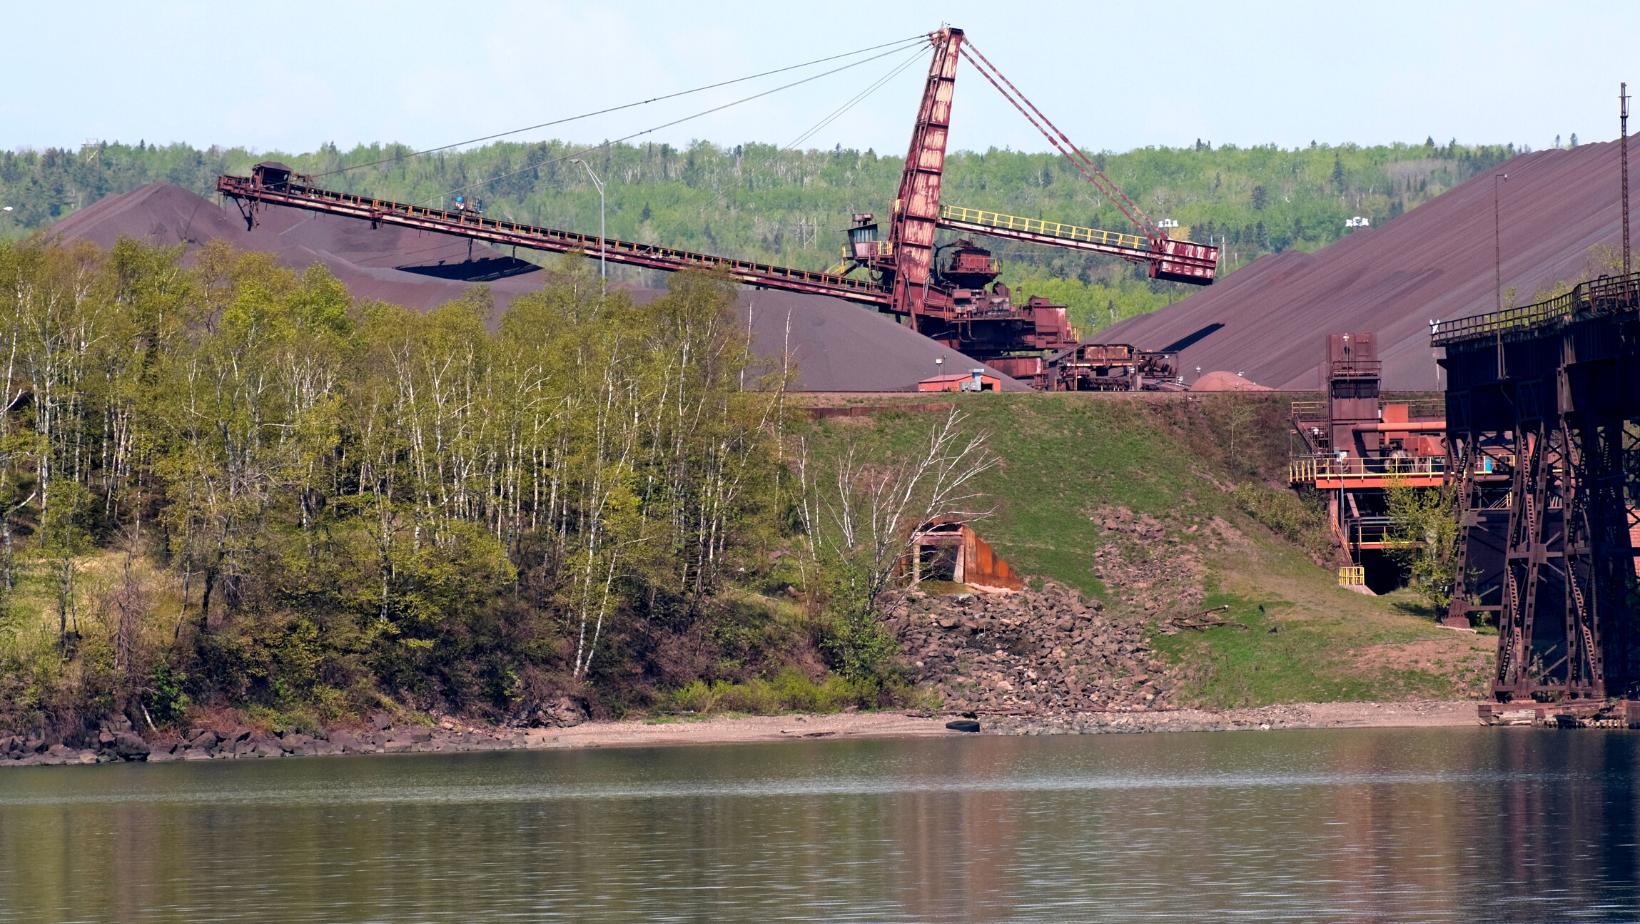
(953,297)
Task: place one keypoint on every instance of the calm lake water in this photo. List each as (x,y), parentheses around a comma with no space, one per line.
(1471,825)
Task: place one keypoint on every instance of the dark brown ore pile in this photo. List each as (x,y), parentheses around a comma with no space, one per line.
(1437,262)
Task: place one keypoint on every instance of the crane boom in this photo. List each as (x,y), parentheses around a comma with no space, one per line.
(272,184)
(1180,261)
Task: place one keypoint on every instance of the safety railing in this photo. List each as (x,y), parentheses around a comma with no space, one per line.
(1310,410)
(1353,576)
(1608,293)
(1310,469)
(1357,368)
(1045,228)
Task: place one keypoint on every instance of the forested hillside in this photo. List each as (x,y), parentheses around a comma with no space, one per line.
(229,487)
(757,201)
(235,484)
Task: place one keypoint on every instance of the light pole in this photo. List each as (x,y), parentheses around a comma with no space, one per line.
(1497,266)
(603,266)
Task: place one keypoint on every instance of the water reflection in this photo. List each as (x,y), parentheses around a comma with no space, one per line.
(1372,825)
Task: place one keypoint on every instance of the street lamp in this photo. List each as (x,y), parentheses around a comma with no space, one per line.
(603,266)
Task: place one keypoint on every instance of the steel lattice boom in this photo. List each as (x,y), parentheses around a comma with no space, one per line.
(269,185)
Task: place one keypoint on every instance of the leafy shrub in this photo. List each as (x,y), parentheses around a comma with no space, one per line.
(166,700)
(790,691)
(1299,520)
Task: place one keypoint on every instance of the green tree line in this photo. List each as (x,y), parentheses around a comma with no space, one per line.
(758,201)
(235,474)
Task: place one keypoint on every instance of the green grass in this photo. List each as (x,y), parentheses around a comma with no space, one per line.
(1315,659)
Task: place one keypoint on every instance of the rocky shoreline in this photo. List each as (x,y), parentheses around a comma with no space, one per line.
(119,741)
(116,743)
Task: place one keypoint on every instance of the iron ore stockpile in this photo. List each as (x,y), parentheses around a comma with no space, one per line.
(835,346)
(1435,262)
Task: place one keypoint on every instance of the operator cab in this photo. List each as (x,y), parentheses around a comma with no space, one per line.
(862,239)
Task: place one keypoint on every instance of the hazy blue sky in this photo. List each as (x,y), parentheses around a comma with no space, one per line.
(291,75)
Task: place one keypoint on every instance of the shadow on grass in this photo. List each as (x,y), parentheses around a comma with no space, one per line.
(1414,608)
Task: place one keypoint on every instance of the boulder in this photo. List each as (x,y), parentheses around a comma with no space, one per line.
(345,742)
(129,745)
(563,712)
(296,743)
(204,741)
(163,754)
(59,754)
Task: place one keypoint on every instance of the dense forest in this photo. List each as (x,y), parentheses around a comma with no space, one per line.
(230,485)
(789,206)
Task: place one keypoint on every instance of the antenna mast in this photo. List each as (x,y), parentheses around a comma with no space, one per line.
(1623,152)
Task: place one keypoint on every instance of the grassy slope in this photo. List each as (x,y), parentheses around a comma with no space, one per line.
(1065,458)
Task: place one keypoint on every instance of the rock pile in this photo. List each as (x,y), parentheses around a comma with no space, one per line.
(1030,653)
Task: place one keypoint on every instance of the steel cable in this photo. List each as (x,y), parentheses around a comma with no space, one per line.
(687,118)
(588,115)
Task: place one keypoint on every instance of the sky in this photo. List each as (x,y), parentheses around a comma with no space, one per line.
(1114,76)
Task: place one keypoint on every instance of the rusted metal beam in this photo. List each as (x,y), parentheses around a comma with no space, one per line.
(550,240)
(1197,269)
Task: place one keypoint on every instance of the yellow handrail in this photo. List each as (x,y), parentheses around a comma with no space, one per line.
(1047,228)
(1353,576)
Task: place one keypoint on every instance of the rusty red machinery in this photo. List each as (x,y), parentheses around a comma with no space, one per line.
(953,297)
(1354,445)
(1090,366)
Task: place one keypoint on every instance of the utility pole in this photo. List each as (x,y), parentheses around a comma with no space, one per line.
(1623,153)
(1497,241)
(603,267)
(1497,265)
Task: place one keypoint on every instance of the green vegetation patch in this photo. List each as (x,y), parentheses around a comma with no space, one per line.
(1285,657)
